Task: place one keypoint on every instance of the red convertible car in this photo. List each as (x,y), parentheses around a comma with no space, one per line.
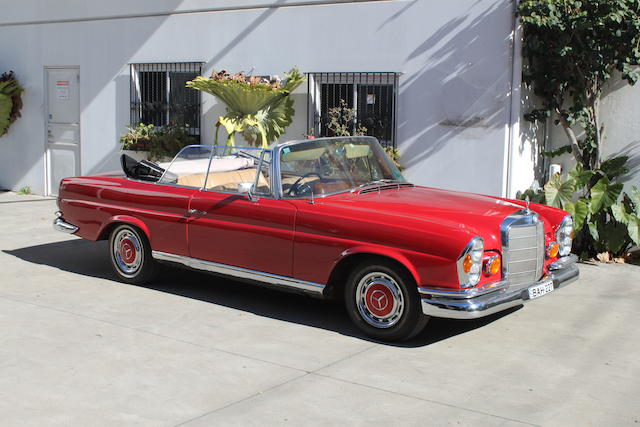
(329,217)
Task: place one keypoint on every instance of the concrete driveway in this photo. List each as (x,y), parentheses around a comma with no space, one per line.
(78,348)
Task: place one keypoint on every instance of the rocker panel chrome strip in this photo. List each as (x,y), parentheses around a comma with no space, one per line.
(243,273)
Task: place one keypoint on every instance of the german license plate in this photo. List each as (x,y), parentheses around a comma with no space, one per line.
(542,289)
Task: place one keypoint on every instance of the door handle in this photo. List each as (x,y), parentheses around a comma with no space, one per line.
(196,212)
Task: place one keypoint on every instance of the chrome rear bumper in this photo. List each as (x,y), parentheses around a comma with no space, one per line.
(61,225)
(461,305)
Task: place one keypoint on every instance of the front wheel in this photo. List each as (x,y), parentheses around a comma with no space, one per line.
(131,255)
(383,302)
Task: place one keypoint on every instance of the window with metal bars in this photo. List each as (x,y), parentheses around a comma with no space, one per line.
(159,96)
(372,96)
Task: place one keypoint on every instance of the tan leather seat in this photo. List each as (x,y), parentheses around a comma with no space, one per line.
(223,181)
(193,180)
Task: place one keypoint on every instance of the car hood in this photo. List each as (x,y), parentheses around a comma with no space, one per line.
(473,213)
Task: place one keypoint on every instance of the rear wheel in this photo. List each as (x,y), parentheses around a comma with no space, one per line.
(383,302)
(131,255)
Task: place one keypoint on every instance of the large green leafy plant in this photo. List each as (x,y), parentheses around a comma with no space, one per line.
(605,218)
(258,108)
(572,48)
(10,101)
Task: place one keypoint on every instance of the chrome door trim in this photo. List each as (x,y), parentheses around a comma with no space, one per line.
(242,273)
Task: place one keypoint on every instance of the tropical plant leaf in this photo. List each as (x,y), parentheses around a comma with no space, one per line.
(10,101)
(260,112)
(276,118)
(5,113)
(263,134)
(535,196)
(239,97)
(293,79)
(614,236)
(557,192)
(604,194)
(615,167)
(634,196)
(633,228)
(593,230)
(620,213)
(580,176)
(579,211)
(10,87)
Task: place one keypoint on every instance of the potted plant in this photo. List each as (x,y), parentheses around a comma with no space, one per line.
(10,101)
(155,143)
(258,108)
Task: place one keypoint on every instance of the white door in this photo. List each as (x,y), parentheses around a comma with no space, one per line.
(63,125)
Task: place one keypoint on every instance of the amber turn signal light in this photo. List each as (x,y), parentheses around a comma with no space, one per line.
(467,263)
(552,250)
(492,265)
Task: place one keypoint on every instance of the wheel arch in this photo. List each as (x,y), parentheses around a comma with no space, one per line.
(352,257)
(117,220)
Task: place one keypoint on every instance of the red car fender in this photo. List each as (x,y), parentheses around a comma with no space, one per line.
(382,251)
(126,219)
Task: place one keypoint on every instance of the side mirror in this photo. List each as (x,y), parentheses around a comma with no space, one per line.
(246,188)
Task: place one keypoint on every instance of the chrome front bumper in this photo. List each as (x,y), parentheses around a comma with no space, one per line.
(61,225)
(471,304)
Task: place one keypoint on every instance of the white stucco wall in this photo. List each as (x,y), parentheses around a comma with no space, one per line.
(453,111)
(620,113)
(526,163)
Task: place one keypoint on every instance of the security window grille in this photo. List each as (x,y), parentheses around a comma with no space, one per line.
(159,96)
(372,96)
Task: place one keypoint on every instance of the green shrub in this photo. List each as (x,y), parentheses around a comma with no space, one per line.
(10,101)
(572,48)
(159,141)
(138,137)
(605,218)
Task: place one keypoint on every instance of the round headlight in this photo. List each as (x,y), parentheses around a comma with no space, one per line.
(564,236)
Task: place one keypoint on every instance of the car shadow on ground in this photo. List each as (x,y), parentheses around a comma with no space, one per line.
(91,259)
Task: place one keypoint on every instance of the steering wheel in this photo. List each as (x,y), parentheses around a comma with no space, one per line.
(294,187)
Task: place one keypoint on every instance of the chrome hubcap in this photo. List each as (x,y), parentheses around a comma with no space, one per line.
(379,300)
(127,252)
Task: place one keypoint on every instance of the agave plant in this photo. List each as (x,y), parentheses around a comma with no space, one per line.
(258,108)
(10,101)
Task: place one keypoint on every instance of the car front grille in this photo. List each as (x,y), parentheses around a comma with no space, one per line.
(523,248)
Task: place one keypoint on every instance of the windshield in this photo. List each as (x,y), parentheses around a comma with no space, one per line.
(332,165)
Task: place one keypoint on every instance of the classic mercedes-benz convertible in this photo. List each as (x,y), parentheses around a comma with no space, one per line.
(330,217)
